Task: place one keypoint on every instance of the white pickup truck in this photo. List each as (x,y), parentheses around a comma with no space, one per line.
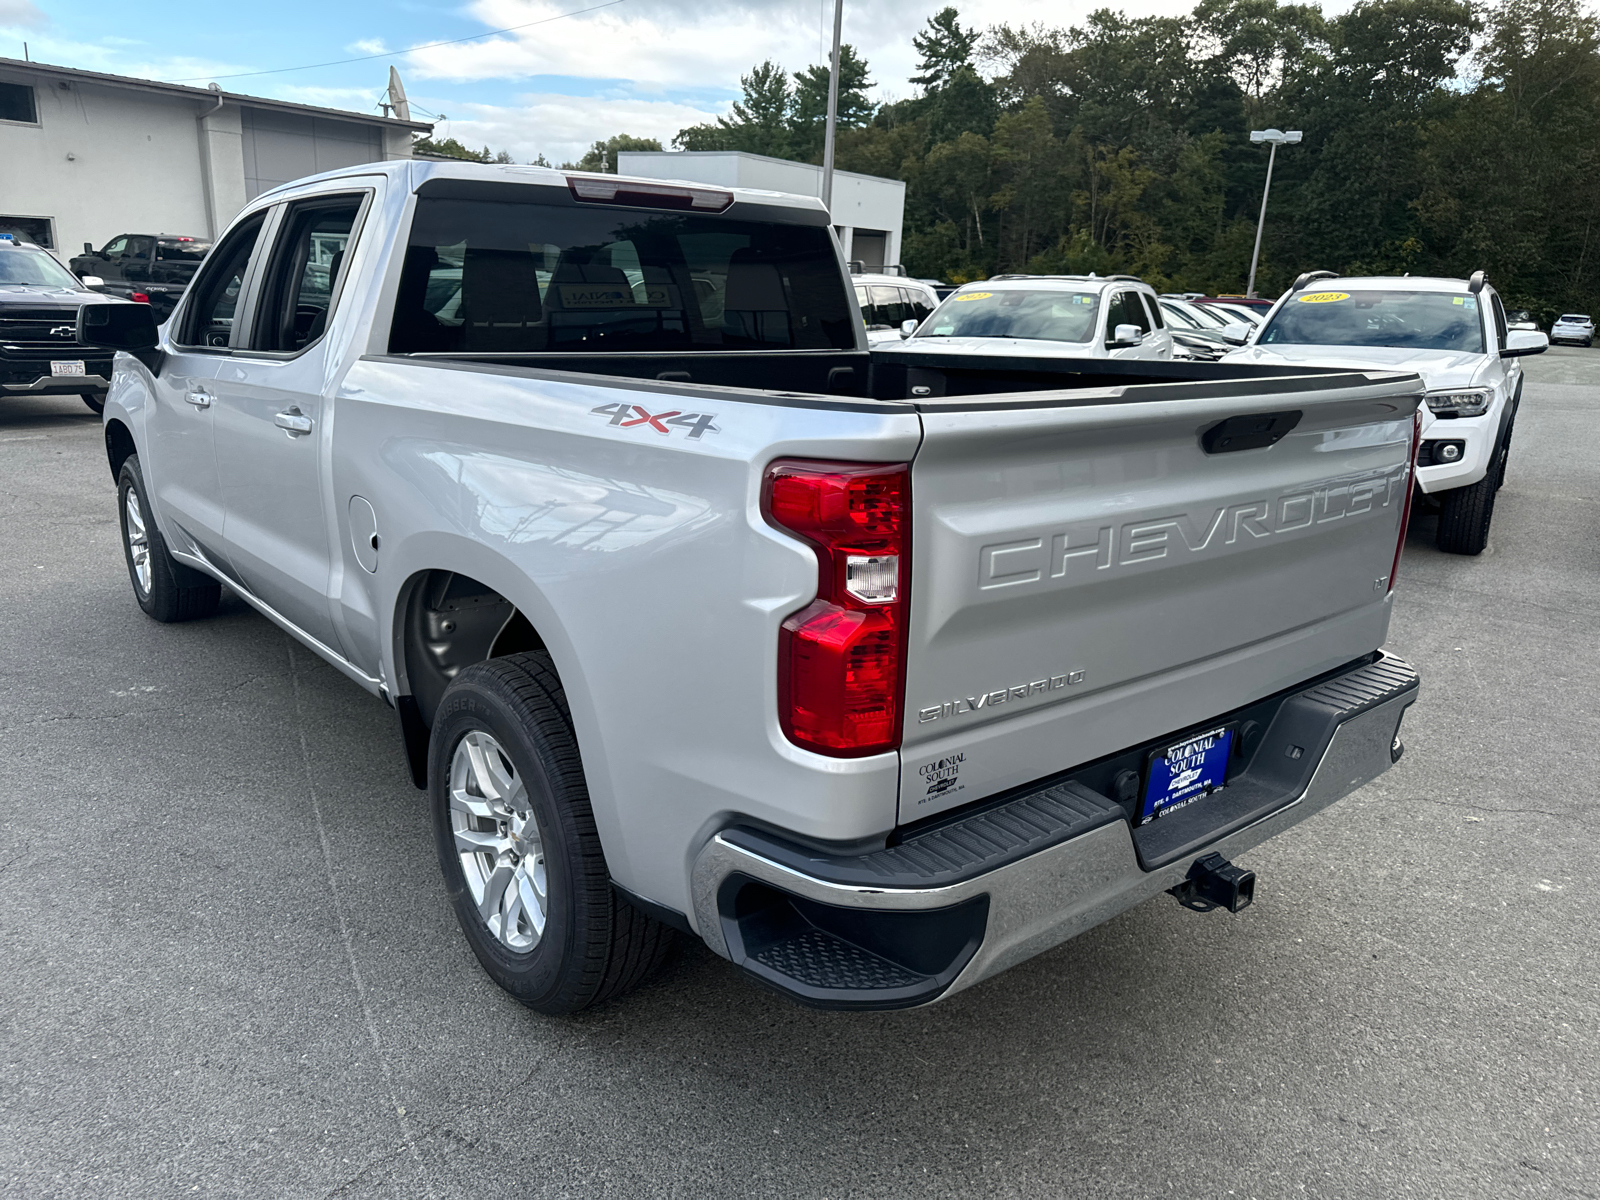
(1454,333)
(877,672)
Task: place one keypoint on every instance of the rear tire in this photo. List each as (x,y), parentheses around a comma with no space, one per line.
(1465,514)
(166,589)
(517,843)
(95,401)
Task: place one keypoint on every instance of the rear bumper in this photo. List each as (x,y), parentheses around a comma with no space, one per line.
(950,906)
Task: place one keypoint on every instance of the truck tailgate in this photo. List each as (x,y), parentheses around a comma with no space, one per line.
(1091,570)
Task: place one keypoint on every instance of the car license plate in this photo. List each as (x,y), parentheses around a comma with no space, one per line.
(1186,772)
(67,368)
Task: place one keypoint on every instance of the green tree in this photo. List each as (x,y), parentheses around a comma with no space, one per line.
(808,122)
(602,156)
(450,148)
(943,48)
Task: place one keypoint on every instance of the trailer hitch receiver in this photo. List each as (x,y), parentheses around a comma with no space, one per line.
(1214,882)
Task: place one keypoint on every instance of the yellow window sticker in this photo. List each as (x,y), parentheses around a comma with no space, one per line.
(1324,297)
(976,296)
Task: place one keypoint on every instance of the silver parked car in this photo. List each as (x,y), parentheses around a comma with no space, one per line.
(1573,327)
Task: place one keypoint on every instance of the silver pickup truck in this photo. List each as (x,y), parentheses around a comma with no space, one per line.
(878,672)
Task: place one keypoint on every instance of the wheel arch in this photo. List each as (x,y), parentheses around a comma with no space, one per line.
(119,445)
(446,618)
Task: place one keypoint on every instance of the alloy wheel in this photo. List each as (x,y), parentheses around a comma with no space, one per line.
(138,541)
(498,842)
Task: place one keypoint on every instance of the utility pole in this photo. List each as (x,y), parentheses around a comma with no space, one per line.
(833,110)
(1273,138)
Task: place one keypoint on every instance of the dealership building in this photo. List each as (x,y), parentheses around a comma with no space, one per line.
(85,157)
(868,212)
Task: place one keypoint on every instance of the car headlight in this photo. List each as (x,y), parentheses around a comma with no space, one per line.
(1471,402)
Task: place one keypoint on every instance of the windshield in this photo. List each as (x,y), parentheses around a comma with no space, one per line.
(1046,316)
(1401,320)
(34,267)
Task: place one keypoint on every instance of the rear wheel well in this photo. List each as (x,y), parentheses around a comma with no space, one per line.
(451,621)
(119,446)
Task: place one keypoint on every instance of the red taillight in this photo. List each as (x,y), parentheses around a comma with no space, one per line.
(138,297)
(1411,486)
(841,659)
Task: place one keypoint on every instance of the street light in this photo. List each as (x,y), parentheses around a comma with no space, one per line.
(1273,138)
(832,128)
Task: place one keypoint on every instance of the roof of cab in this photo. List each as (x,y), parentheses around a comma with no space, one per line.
(1397,283)
(414,172)
(1079,282)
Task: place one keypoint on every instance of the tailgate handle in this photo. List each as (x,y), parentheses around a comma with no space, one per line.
(1250,432)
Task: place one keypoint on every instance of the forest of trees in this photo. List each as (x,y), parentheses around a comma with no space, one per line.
(1441,136)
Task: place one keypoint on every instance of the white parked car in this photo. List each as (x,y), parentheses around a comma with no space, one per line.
(888,301)
(1065,316)
(1452,332)
(1573,327)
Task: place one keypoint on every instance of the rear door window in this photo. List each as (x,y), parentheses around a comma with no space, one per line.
(307,266)
(522,276)
(890,305)
(1154,311)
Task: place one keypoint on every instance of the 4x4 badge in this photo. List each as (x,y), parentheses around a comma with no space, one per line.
(628,416)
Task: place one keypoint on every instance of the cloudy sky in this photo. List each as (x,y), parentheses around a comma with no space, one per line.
(645,67)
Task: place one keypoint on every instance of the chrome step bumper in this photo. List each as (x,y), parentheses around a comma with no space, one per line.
(952,905)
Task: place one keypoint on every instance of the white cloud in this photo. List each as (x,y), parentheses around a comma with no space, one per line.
(563,127)
(368,46)
(670,44)
(21,14)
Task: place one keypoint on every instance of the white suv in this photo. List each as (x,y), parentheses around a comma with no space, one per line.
(1453,333)
(1573,327)
(1049,316)
(887,302)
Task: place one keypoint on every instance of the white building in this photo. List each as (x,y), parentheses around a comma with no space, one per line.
(85,156)
(868,212)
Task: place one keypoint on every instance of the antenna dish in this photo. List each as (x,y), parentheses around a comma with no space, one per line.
(397,97)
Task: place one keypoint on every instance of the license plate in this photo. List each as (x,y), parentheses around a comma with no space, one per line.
(1186,772)
(67,368)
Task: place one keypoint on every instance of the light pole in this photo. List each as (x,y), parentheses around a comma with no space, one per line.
(833,111)
(1273,138)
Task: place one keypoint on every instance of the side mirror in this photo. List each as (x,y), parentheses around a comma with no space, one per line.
(92,282)
(908,327)
(1127,335)
(1524,341)
(117,326)
(1236,333)
(88,247)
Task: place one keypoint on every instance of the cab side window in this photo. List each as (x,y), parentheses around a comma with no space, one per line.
(917,307)
(1124,309)
(214,296)
(1155,312)
(888,307)
(115,247)
(307,266)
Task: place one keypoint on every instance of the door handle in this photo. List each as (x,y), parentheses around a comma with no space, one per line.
(200,398)
(293,422)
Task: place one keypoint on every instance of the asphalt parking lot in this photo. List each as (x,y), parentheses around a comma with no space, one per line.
(227,967)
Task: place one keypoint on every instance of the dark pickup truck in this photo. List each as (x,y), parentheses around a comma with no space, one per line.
(153,268)
(40,354)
